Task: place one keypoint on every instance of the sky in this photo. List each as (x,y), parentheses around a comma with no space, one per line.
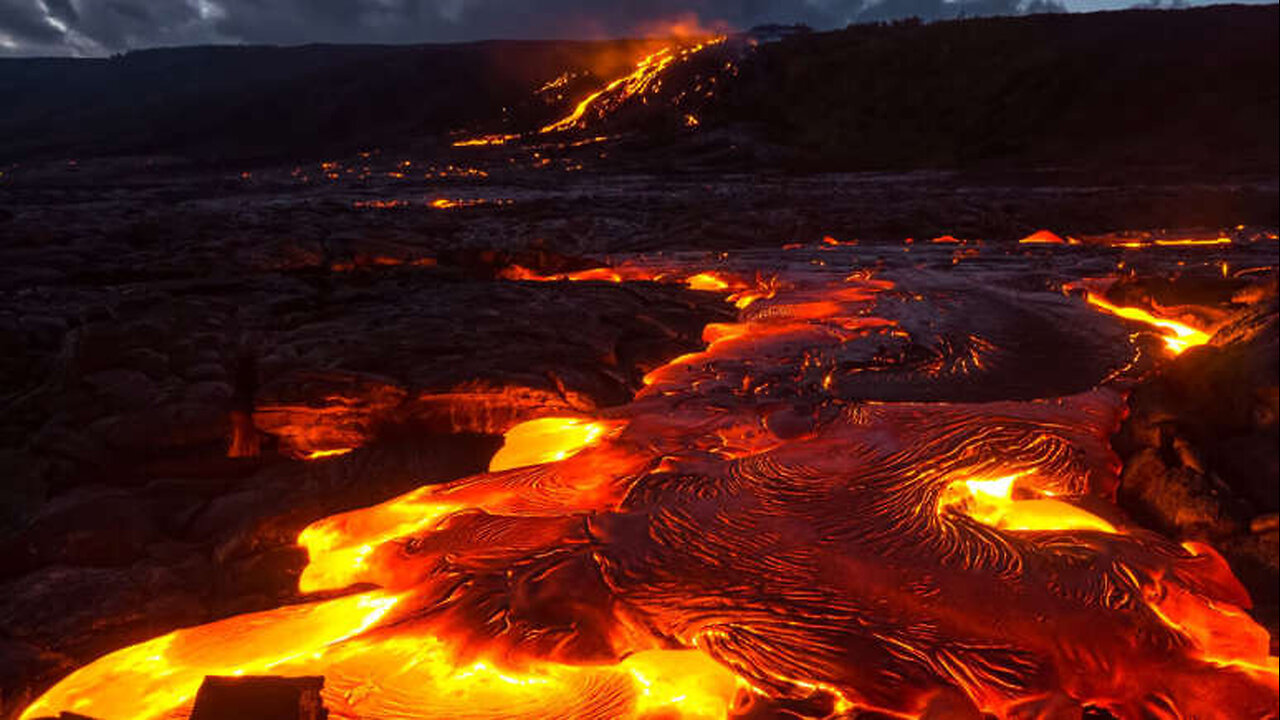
(104,27)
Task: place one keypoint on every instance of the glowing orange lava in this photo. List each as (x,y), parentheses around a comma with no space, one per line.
(706,281)
(1193,242)
(742,293)
(716,543)
(832,242)
(638,82)
(159,678)
(991,502)
(1042,237)
(1177,336)
(451,203)
(485,140)
(317,454)
(544,440)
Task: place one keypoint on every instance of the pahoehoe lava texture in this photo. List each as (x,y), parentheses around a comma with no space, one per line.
(765,505)
(827,560)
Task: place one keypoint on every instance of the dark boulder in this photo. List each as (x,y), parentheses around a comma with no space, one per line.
(260,698)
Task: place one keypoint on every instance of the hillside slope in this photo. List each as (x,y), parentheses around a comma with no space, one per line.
(1189,89)
(1193,87)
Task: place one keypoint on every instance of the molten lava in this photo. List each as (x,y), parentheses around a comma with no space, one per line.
(319,454)
(485,140)
(760,530)
(706,281)
(1193,242)
(1177,336)
(1042,237)
(742,292)
(991,502)
(545,440)
(451,203)
(158,678)
(641,80)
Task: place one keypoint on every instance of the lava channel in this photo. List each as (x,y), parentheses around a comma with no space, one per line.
(753,535)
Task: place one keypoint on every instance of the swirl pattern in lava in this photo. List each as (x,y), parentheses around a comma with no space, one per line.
(866,494)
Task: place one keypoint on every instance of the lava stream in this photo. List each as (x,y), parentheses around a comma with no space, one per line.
(639,81)
(751,534)
(1177,336)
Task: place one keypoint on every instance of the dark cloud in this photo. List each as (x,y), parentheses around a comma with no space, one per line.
(105,26)
(453,20)
(96,27)
(26,22)
(62,10)
(123,24)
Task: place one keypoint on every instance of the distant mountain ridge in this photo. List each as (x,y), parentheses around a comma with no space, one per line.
(1177,87)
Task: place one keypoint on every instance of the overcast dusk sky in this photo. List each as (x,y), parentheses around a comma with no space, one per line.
(104,27)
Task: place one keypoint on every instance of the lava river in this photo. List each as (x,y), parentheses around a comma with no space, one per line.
(870,492)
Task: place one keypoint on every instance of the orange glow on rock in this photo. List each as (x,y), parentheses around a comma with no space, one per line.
(742,292)
(600,274)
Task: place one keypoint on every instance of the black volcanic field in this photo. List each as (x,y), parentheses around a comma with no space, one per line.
(1193,89)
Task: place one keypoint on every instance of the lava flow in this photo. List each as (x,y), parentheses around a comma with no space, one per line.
(643,80)
(771,526)
(1177,336)
(639,81)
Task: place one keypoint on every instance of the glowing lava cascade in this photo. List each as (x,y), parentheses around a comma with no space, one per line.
(641,80)
(644,80)
(750,535)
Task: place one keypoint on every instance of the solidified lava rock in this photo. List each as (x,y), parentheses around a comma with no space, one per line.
(260,698)
(312,410)
(1200,446)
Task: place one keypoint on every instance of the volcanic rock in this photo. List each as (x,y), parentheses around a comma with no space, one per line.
(1200,445)
(316,411)
(91,527)
(259,698)
(19,663)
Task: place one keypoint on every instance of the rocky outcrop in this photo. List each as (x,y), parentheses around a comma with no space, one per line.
(1200,446)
